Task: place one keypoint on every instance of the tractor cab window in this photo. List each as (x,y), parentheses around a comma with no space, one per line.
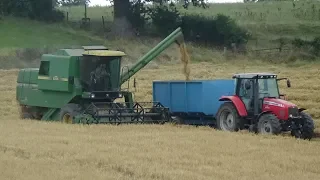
(95,73)
(268,88)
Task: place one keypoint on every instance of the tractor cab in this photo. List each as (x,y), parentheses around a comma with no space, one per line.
(253,88)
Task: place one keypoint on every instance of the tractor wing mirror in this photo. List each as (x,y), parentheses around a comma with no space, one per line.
(288,83)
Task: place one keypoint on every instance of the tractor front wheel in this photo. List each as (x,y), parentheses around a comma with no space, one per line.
(269,124)
(68,113)
(228,117)
(307,129)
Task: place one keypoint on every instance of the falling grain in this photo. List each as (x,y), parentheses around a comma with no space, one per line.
(185,60)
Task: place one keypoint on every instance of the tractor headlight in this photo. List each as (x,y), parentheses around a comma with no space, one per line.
(290,115)
(92,96)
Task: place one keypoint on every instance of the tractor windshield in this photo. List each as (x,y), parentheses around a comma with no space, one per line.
(268,88)
(99,73)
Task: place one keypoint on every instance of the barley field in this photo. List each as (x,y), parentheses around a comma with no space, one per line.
(32,149)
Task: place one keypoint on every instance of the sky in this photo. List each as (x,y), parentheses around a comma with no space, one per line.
(104,2)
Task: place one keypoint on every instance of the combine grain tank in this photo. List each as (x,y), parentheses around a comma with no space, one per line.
(193,102)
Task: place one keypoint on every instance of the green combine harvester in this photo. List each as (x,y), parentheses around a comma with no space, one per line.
(81,86)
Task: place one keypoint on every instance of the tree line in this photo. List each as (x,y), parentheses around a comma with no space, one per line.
(163,16)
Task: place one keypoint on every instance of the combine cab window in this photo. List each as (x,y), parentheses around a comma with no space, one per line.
(95,73)
(44,68)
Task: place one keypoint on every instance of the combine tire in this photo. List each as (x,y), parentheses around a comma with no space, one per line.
(269,124)
(307,129)
(228,118)
(68,112)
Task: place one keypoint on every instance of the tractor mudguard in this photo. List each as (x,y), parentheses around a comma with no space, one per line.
(302,109)
(262,113)
(241,108)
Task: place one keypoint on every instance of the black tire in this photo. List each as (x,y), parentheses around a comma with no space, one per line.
(228,112)
(26,115)
(307,130)
(68,112)
(269,124)
(177,120)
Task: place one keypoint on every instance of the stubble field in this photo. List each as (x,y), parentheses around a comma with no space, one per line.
(40,150)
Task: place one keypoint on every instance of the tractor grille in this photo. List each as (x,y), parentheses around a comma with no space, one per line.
(294,111)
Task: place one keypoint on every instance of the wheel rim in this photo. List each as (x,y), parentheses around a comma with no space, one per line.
(227,121)
(266,128)
(67,119)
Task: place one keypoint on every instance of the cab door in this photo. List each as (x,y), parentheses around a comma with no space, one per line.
(246,94)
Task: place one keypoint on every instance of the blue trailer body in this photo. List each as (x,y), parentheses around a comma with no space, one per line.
(196,99)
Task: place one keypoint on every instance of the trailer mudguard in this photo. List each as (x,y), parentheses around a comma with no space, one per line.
(241,108)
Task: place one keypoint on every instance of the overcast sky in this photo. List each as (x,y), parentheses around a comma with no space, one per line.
(104,2)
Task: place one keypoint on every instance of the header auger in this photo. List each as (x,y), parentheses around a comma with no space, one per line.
(81,86)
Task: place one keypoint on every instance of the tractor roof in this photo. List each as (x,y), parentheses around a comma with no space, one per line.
(89,50)
(252,75)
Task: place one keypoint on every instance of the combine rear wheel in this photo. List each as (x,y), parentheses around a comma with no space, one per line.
(269,124)
(25,113)
(68,113)
(228,117)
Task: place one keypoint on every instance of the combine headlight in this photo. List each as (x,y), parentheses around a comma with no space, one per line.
(92,96)
(120,95)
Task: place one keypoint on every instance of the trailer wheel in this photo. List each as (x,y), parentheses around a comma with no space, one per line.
(269,124)
(227,117)
(68,112)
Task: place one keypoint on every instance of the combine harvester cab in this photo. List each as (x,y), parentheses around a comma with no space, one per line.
(82,86)
(248,101)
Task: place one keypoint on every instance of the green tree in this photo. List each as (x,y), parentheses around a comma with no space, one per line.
(121,8)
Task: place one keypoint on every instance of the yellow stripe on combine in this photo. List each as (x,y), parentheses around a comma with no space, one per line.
(44,77)
(104,53)
(50,78)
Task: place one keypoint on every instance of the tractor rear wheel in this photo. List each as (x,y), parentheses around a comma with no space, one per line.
(269,124)
(307,129)
(227,117)
(68,113)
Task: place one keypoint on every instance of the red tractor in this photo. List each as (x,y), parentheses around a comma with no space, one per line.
(258,106)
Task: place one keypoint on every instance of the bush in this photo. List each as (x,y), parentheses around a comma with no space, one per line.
(221,30)
(34,9)
(165,19)
(312,47)
(137,15)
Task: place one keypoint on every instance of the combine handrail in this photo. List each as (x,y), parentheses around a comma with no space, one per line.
(175,36)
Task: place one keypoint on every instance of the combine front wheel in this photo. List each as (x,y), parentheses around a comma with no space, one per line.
(68,113)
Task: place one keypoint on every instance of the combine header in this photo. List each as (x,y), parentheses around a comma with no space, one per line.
(82,85)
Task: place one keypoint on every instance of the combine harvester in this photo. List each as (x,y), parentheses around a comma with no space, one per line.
(248,101)
(81,86)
